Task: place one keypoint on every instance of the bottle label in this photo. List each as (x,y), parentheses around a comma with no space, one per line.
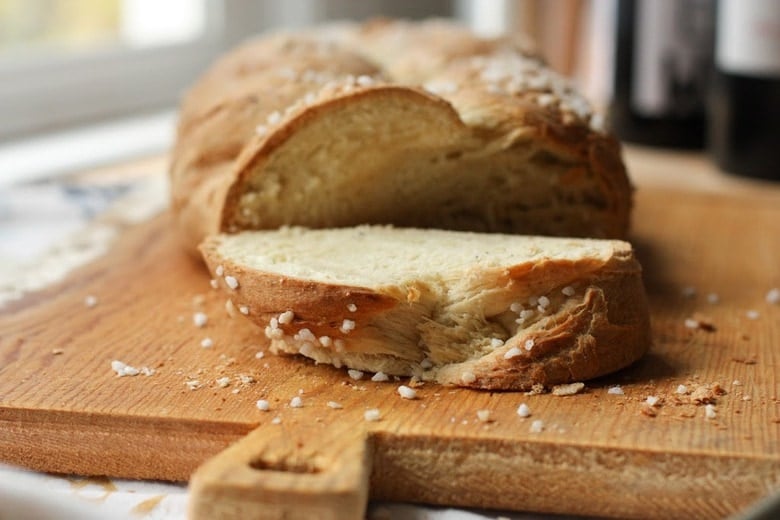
(672,53)
(748,37)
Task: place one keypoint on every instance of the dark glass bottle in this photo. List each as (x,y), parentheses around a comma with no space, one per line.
(662,63)
(744,100)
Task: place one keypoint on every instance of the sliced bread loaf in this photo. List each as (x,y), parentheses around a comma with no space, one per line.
(485,311)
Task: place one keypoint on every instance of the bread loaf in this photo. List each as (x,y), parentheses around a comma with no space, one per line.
(479,310)
(390,122)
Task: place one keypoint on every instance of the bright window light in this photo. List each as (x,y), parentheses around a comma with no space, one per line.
(146,23)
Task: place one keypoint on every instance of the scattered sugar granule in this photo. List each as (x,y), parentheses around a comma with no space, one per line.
(90,301)
(261,130)
(525,315)
(325,341)
(512,352)
(468,377)
(483,415)
(351,307)
(300,391)
(537,426)
(219,271)
(568,290)
(193,384)
(516,307)
(245,379)
(496,342)
(347,326)
(214,283)
(147,371)
(296,402)
(274,117)
(260,355)
(276,420)
(243,309)
(523,411)
(286,317)
(206,343)
(752,314)
(736,382)
(200,319)
(690,323)
(569,389)
(406,392)
(653,400)
(681,389)
(355,374)
(533,301)
(335,405)
(223,382)
(689,291)
(123,369)
(544,302)
(773,296)
(231,282)
(713,298)
(615,390)
(529,344)
(709,411)
(372,415)
(263,405)
(379,377)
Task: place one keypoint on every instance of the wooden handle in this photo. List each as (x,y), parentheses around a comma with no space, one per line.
(272,473)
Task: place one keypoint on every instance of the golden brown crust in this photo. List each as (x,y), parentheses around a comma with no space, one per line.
(284,82)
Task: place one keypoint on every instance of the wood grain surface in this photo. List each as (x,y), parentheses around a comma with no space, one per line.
(63,409)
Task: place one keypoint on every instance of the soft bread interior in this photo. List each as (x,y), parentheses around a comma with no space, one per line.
(396,155)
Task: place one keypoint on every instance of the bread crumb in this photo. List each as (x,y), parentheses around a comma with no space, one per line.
(296,402)
(355,374)
(260,355)
(334,405)
(123,369)
(512,352)
(568,389)
(380,377)
(700,321)
(231,282)
(537,426)
(483,415)
(200,319)
(372,415)
(351,307)
(263,405)
(230,308)
(523,410)
(690,323)
(223,382)
(536,389)
(709,412)
(245,379)
(90,301)
(468,377)
(214,283)
(206,343)
(426,363)
(274,117)
(713,298)
(707,394)
(773,296)
(653,400)
(406,392)
(57,351)
(615,390)
(147,371)
(681,389)
(752,314)
(276,420)
(193,384)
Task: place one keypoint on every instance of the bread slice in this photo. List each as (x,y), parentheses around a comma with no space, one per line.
(487,311)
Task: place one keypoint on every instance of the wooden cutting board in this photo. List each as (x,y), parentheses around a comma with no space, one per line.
(63,409)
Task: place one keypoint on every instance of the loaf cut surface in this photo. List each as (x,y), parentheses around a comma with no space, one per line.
(390,122)
(487,311)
